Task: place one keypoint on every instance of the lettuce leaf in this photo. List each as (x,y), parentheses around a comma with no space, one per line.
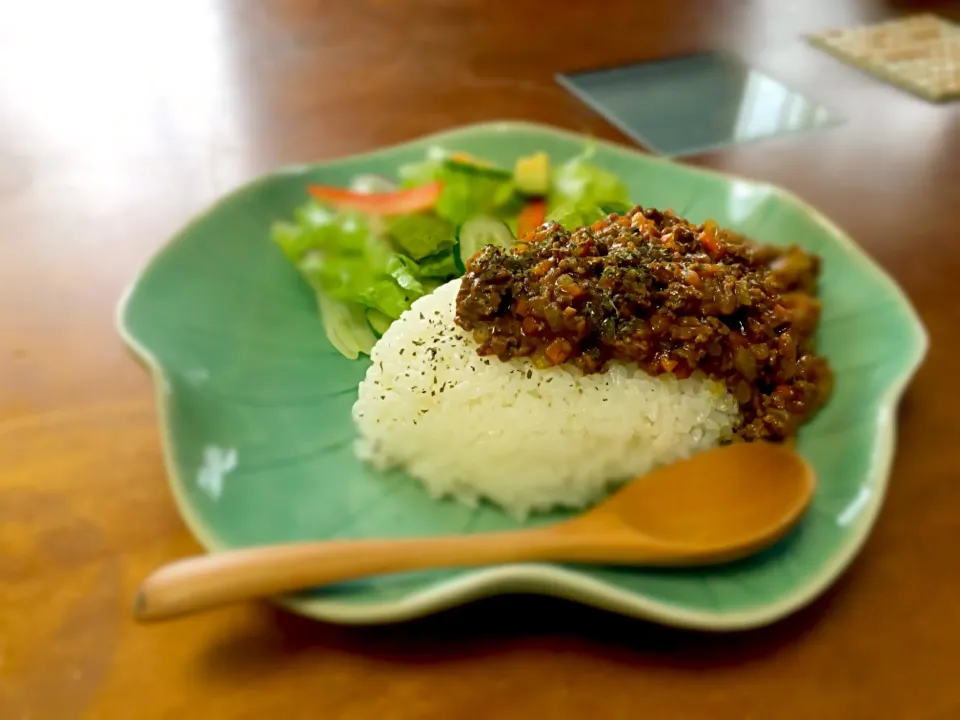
(350,261)
(470,188)
(406,274)
(573,216)
(469,191)
(318,228)
(346,326)
(580,183)
(387,297)
(347,259)
(440,266)
(423,171)
(420,234)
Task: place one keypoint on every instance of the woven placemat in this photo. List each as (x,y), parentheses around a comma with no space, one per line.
(920,53)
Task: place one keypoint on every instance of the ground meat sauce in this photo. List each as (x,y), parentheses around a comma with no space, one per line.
(651,288)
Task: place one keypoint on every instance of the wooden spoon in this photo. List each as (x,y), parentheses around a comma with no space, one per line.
(720,505)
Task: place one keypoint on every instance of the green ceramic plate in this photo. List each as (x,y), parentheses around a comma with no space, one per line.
(255,403)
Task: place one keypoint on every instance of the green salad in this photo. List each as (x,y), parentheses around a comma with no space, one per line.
(370,250)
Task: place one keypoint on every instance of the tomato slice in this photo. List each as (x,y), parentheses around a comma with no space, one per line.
(531,217)
(399,202)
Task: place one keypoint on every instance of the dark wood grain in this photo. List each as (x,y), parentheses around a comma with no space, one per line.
(119,120)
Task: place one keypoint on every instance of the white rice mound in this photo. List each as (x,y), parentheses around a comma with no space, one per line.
(529,440)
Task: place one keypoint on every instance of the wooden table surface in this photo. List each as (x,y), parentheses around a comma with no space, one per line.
(119,120)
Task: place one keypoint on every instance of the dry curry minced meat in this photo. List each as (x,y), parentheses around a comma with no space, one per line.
(651,288)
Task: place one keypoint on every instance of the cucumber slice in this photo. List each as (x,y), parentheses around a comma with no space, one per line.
(479,232)
(532,174)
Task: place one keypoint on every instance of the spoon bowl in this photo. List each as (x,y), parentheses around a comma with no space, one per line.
(718,506)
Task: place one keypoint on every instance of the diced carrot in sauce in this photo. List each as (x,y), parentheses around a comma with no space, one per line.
(521,306)
(682,371)
(764,352)
(668,241)
(542,268)
(711,244)
(558,351)
(667,363)
(710,270)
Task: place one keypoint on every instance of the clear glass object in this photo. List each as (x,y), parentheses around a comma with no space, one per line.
(689,104)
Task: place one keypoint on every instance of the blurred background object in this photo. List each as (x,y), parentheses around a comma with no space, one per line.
(694,103)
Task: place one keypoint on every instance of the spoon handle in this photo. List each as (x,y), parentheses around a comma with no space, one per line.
(207,581)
